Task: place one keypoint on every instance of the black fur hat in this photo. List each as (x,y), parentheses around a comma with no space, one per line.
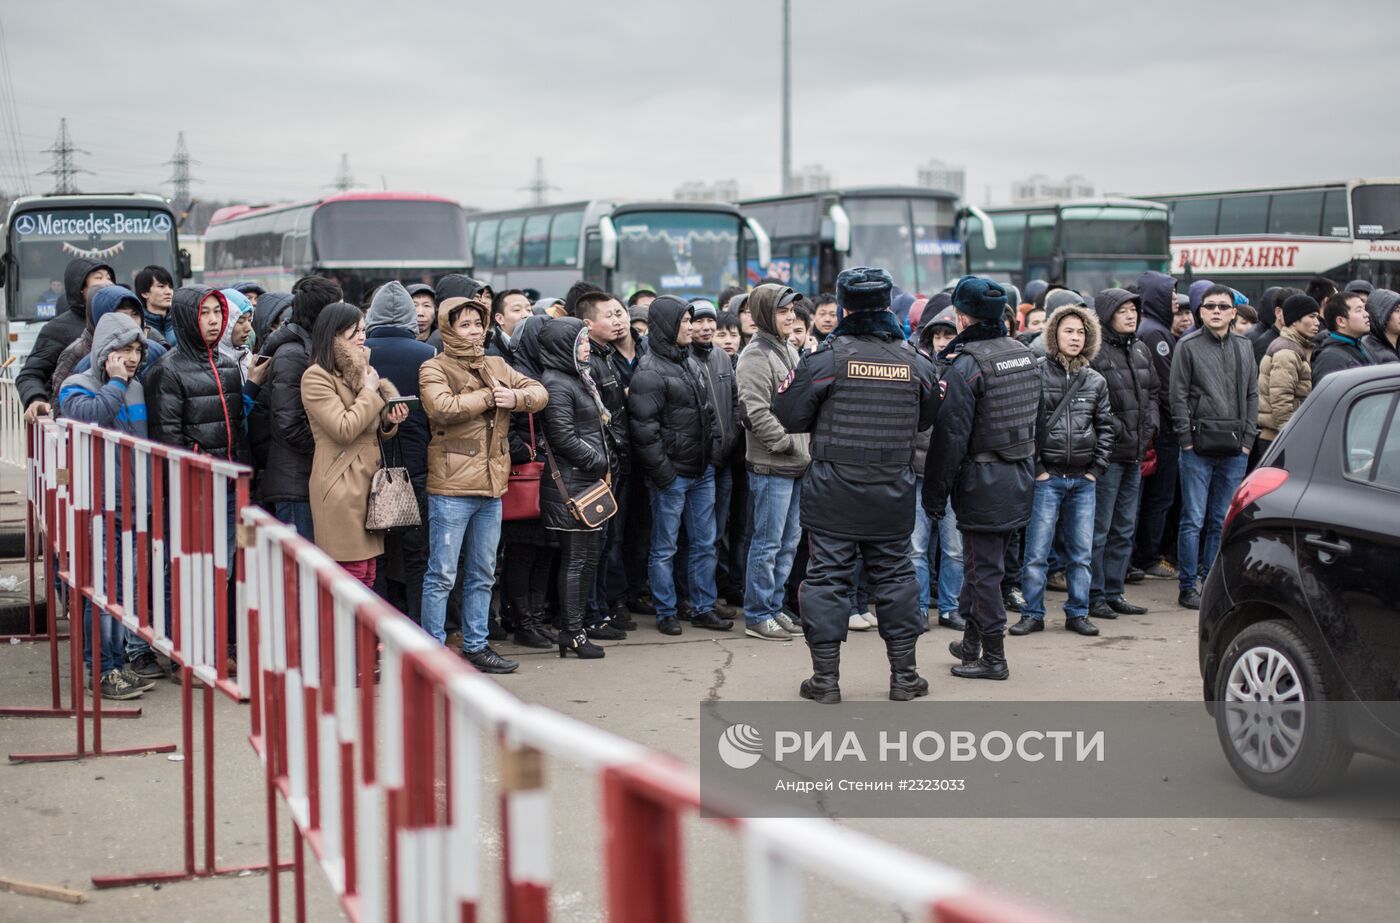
(863,289)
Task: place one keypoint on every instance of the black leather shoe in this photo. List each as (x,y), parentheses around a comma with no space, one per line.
(1121,606)
(669,625)
(969,648)
(823,687)
(685,611)
(531,636)
(579,646)
(952,620)
(488,661)
(726,611)
(1135,575)
(1188,599)
(1081,626)
(1026,626)
(641,605)
(605,632)
(711,620)
(620,618)
(1013,601)
(1101,610)
(992,663)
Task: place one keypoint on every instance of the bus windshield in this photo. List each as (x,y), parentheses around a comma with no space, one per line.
(1109,229)
(1090,276)
(676,252)
(423,232)
(1375,211)
(43,242)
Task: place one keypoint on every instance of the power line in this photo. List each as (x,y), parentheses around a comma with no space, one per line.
(344,179)
(10,119)
(179,164)
(539,187)
(64,169)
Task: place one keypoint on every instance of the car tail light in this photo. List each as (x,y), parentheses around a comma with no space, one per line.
(1260,483)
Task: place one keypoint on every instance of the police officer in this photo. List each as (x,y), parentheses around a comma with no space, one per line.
(862,396)
(983,453)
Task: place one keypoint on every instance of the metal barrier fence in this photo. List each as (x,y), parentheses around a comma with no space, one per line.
(370,732)
(12,435)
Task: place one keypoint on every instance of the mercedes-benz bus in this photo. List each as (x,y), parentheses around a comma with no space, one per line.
(680,248)
(1087,245)
(360,239)
(1252,239)
(908,230)
(43,233)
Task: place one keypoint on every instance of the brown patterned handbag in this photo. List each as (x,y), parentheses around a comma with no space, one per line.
(592,506)
(392,505)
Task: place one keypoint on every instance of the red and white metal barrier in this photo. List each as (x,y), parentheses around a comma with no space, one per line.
(120,517)
(372,734)
(12,434)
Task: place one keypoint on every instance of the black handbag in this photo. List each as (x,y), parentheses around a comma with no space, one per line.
(1216,439)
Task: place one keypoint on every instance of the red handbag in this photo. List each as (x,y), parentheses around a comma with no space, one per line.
(522,497)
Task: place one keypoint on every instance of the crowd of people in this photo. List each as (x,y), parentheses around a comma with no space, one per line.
(581,462)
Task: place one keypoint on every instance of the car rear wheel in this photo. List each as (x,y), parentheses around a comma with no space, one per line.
(1275,736)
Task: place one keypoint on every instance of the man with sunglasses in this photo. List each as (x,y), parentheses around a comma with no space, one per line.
(1214,398)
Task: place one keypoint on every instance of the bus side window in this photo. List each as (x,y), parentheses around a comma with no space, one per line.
(563,239)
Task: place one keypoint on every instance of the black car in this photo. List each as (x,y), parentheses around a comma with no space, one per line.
(1302,605)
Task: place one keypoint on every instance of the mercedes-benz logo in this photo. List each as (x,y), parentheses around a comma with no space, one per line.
(24,224)
(161,223)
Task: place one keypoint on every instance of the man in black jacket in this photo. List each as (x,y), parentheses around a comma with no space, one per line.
(718,371)
(1133,394)
(1158,293)
(983,455)
(864,396)
(79,279)
(1348,324)
(286,480)
(672,427)
(1074,439)
(606,321)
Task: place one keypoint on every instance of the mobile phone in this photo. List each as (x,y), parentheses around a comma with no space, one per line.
(410,401)
(260,360)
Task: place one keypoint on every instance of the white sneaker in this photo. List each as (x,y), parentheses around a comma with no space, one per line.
(869,616)
(786,623)
(767,630)
(858,622)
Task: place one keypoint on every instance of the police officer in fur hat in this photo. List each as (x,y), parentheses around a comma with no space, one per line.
(983,454)
(863,396)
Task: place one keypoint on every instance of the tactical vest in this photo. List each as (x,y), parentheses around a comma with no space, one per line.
(1004,426)
(871,415)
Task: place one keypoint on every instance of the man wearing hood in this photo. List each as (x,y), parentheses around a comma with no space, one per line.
(672,426)
(81,278)
(195,392)
(425,308)
(271,312)
(718,373)
(1133,391)
(941,538)
(1074,439)
(458,285)
(1383,342)
(291,447)
(468,397)
(391,336)
(109,299)
(982,456)
(864,397)
(110,395)
(234,343)
(1157,292)
(775,461)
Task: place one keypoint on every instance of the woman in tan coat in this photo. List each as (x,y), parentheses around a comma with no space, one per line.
(347,406)
(468,397)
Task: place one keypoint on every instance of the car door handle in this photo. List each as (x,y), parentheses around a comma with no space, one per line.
(1338,547)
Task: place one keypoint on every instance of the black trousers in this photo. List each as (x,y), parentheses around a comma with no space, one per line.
(984,560)
(636,533)
(610,586)
(526,570)
(579,554)
(1012,561)
(831,580)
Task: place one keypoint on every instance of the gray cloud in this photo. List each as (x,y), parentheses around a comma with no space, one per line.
(632,98)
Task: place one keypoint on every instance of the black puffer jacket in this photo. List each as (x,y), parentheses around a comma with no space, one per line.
(671,416)
(1081,440)
(1133,390)
(194,394)
(290,443)
(56,335)
(572,425)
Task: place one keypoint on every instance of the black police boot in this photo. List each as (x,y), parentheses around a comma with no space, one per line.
(992,664)
(905,682)
(970,647)
(529,630)
(826,671)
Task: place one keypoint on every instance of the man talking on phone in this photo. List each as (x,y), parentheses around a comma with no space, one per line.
(396,353)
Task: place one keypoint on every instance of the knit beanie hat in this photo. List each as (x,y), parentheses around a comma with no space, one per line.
(1297,307)
(863,289)
(979,297)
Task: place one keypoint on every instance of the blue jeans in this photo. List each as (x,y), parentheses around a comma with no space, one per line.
(777,503)
(691,500)
(1059,499)
(1207,484)
(451,520)
(947,545)
(1115,523)
(297,513)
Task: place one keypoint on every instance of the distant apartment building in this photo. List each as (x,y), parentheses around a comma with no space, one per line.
(722,190)
(811,178)
(1039,188)
(939,175)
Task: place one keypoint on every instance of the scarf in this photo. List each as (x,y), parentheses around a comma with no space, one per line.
(586,377)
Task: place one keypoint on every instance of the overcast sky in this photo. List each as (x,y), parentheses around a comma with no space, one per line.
(634,97)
